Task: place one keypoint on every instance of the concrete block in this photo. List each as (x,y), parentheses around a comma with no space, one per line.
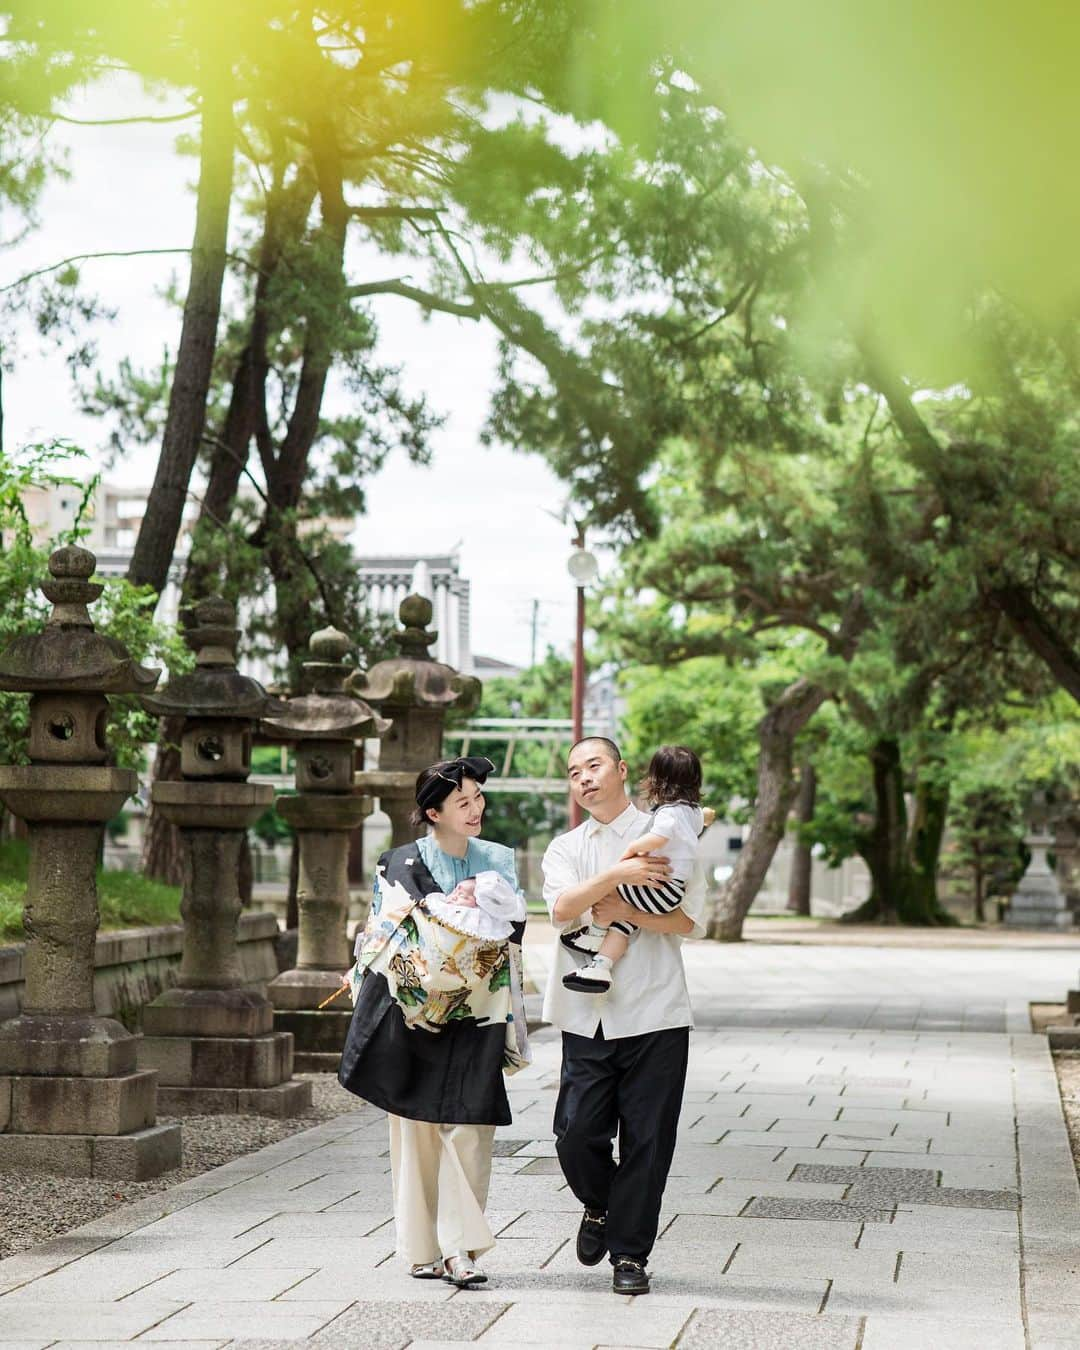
(138,1156)
(209,1012)
(69,1155)
(307,1062)
(168,1056)
(5,1104)
(192,1101)
(65,1045)
(286,1099)
(255,1062)
(83,1105)
(315,1032)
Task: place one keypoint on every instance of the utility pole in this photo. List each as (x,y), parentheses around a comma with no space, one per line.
(535,623)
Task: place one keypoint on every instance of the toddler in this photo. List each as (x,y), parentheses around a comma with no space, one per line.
(672,785)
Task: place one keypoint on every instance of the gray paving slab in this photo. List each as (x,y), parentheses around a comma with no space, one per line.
(777,1235)
(266,1321)
(709,1328)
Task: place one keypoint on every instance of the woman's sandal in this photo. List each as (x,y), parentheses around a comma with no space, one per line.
(428,1270)
(463,1271)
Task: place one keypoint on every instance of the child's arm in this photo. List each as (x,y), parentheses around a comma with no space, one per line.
(648,843)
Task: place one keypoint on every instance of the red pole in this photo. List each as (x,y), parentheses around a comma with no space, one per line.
(578,697)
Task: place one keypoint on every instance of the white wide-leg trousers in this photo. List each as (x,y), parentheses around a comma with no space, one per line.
(441,1176)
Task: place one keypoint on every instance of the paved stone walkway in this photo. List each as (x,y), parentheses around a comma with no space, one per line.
(868,1160)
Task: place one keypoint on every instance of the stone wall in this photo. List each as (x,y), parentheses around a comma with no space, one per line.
(133,965)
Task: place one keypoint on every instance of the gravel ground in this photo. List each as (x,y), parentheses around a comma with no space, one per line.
(35,1208)
(1067,1064)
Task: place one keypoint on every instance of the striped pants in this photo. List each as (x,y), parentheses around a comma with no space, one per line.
(660,899)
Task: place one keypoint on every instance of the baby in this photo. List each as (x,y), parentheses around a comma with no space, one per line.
(673,787)
(485,906)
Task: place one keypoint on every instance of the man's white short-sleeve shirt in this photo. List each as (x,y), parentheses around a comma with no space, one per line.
(649,992)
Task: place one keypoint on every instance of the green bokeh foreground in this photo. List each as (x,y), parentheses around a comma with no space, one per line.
(126,899)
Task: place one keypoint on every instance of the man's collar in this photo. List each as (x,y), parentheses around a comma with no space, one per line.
(621,824)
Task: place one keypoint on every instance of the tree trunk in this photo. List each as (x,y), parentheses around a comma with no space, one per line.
(776,735)
(162,859)
(1038,632)
(802,861)
(186,417)
(287,472)
(978,892)
(286,216)
(919,902)
(884,848)
(292,903)
(903,870)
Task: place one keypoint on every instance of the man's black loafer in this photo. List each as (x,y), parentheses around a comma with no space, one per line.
(592,1237)
(630,1276)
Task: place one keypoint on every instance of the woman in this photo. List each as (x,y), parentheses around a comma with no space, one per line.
(427,1046)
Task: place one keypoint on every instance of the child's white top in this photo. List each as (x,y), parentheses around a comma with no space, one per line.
(680,823)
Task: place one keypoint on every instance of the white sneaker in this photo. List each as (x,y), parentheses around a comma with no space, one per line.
(595,978)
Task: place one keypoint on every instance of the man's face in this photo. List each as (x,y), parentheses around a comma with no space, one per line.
(596,780)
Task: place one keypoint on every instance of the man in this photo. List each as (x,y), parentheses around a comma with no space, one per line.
(624,1054)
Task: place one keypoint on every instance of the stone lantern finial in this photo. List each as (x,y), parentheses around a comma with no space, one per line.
(70,588)
(415,638)
(214,635)
(327,671)
(415,691)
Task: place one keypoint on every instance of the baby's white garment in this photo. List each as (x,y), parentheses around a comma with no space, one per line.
(680,823)
(498,908)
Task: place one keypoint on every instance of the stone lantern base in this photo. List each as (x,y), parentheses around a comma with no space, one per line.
(216,1052)
(72,1101)
(1039,901)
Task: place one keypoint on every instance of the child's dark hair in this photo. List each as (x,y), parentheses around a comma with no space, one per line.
(673,775)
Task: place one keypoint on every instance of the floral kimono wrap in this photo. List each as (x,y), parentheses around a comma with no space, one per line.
(417,975)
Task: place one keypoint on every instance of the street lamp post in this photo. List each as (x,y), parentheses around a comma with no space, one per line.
(583,568)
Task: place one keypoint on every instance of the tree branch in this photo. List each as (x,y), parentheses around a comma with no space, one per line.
(120,253)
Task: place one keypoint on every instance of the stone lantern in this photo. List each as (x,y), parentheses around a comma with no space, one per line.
(1039,901)
(212,1038)
(415,692)
(72,1099)
(323,724)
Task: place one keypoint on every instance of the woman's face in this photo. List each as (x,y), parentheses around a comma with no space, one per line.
(462,812)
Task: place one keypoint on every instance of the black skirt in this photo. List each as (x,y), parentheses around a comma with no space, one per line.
(451,1077)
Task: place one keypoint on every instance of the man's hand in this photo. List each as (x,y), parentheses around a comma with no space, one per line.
(612,907)
(648,870)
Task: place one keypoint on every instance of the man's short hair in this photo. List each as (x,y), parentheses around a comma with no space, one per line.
(610,748)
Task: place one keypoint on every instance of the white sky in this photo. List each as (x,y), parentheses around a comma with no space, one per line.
(129,190)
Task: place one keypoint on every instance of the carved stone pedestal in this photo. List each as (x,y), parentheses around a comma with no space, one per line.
(73,1099)
(210,1039)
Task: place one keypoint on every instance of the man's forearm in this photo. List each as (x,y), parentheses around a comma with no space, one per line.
(575,900)
(675,922)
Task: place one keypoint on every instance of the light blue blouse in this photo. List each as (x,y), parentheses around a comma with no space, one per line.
(480,856)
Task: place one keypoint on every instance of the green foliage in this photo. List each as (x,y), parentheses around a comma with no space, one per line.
(514,818)
(123,611)
(125,899)
(705,703)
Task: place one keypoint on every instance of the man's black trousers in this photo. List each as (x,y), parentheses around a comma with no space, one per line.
(633,1086)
